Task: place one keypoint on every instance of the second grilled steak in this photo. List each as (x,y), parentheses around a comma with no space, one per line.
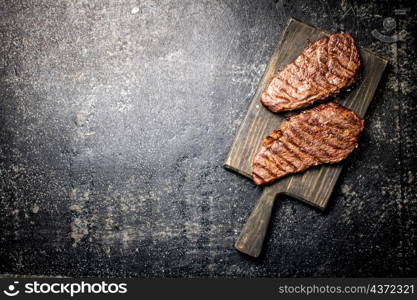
(323,69)
(325,134)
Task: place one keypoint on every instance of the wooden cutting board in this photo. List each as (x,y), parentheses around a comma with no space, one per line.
(315,185)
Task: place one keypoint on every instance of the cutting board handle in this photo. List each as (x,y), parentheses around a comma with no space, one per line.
(252,236)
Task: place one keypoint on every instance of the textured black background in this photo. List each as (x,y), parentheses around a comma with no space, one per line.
(115,119)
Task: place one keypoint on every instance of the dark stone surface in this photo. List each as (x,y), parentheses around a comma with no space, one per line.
(116,117)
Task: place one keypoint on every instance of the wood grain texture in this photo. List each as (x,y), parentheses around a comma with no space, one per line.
(315,185)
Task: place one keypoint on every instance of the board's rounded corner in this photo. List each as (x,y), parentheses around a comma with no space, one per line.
(226,165)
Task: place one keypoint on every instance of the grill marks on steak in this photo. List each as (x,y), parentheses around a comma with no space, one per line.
(323,69)
(327,133)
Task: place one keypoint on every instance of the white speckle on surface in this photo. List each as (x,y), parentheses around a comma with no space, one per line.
(135,10)
(90,133)
(75,207)
(81,118)
(79,229)
(35,209)
(410,177)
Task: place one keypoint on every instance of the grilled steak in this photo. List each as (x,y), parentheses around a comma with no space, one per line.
(323,69)
(324,134)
